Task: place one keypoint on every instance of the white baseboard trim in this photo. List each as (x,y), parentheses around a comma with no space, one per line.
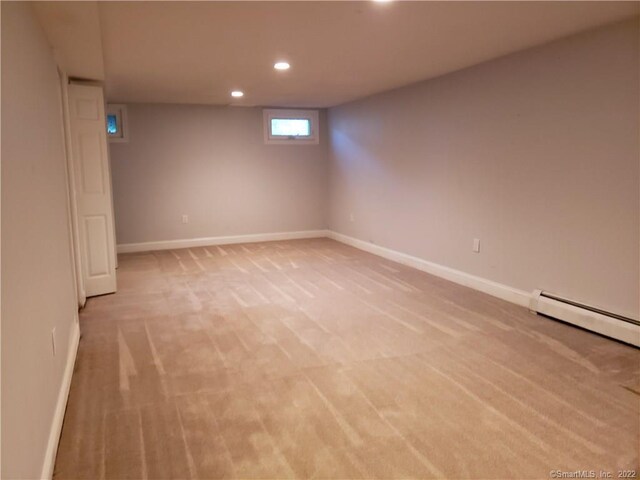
(206,241)
(61,405)
(504,292)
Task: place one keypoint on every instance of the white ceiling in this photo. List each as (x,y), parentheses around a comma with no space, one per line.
(73,30)
(197,52)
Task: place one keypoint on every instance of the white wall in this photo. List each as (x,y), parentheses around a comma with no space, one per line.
(38,292)
(536,154)
(211,164)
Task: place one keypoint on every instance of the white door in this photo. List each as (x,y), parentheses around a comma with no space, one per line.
(92,179)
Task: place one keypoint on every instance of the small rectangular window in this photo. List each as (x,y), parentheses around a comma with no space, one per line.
(112,124)
(117,123)
(290,127)
(299,127)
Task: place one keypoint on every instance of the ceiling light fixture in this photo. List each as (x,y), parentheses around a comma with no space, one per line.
(237,94)
(282,66)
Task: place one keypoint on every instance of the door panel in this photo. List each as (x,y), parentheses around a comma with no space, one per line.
(97,247)
(87,109)
(90,160)
(93,188)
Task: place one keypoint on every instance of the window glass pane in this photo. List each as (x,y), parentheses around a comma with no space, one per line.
(287,127)
(112,124)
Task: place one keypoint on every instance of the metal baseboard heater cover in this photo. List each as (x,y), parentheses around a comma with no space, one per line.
(591,318)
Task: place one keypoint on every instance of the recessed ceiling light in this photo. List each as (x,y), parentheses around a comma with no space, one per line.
(237,93)
(282,66)
(382,1)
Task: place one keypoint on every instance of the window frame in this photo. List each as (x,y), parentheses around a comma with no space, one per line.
(269,114)
(120,111)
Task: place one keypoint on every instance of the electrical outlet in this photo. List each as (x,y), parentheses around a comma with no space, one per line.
(53,341)
(351,217)
(185,218)
(476,245)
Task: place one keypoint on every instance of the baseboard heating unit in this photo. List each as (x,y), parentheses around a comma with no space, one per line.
(590,318)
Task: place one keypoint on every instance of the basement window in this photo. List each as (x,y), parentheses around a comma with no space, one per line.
(290,127)
(117,123)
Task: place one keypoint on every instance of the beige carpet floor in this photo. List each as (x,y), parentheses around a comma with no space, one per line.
(311,359)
